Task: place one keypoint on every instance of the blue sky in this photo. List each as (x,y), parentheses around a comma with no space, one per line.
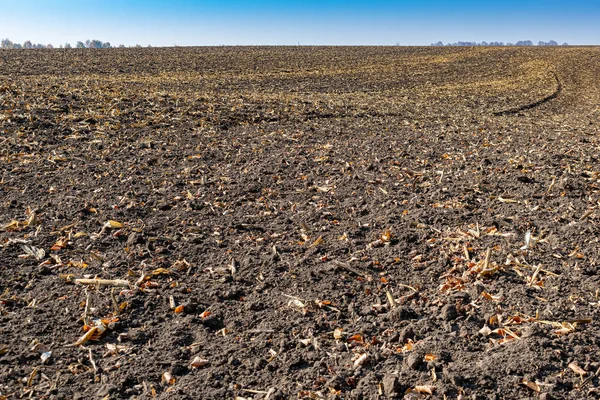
(286,22)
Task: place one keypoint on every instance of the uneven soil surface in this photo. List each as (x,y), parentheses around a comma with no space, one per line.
(300,222)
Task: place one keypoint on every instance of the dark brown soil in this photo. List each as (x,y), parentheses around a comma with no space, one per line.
(339,223)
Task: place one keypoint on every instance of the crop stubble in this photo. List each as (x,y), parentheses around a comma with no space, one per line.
(299,222)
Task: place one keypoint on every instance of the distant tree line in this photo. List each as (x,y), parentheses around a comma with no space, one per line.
(88,44)
(519,43)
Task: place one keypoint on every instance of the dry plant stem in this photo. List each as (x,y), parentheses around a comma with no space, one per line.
(535,274)
(85,338)
(551,184)
(548,272)
(390,299)
(486,263)
(350,268)
(103,282)
(589,379)
(289,296)
(32,375)
(408,287)
(410,296)
(261,331)
(269,393)
(114,302)
(91,357)
(577,369)
(255,391)
(586,214)
(88,306)
(511,333)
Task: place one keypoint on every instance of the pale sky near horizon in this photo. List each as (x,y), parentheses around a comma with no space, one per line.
(285,22)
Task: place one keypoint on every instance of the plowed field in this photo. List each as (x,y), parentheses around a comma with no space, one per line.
(300,222)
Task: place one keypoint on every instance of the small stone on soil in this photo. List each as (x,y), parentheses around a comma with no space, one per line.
(401,313)
(212,322)
(414,361)
(391,386)
(406,333)
(449,312)
(106,390)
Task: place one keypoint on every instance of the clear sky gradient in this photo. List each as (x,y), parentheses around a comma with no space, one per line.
(287,22)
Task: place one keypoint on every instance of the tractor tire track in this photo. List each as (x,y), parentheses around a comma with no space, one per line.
(535,104)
